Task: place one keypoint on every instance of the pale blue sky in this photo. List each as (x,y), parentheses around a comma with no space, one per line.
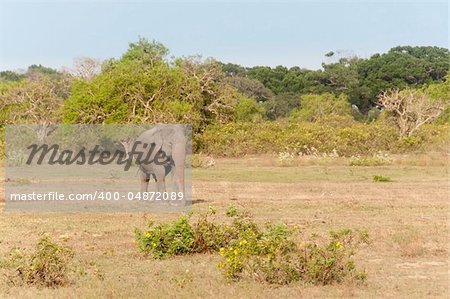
(249,33)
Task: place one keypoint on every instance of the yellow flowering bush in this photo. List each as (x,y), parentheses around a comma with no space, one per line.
(274,253)
(343,138)
(277,256)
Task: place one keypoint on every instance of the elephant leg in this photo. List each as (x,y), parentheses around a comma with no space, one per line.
(160,176)
(178,157)
(145,178)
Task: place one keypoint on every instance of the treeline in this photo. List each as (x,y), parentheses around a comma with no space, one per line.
(361,80)
(145,85)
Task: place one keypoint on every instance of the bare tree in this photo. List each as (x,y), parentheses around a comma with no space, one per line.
(411,108)
(204,78)
(86,67)
(37,102)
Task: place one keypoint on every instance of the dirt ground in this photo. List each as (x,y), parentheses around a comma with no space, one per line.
(407,222)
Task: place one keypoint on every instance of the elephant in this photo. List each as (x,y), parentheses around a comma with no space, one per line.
(164,147)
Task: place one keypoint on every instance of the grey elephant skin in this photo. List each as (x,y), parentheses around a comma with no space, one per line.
(167,147)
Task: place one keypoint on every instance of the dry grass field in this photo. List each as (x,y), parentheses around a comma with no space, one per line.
(407,222)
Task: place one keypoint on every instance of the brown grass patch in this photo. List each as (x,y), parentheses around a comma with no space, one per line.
(407,221)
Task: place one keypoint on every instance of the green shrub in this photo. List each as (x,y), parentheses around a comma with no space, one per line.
(335,134)
(337,121)
(428,137)
(409,143)
(188,236)
(273,256)
(167,239)
(381,178)
(238,139)
(48,266)
(276,253)
(248,110)
(316,106)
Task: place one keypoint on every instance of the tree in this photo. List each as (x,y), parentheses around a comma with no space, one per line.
(145,87)
(436,59)
(411,108)
(147,52)
(203,83)
(38,102)
(11,76)
(342,77)
(403,67)
(233,70)
(140,87)
(362,80)
(250,87)
(281,105)
(86,68)
(271,78)
(35,72)
(128,92)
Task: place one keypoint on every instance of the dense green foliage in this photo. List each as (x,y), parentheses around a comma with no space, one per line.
(341,136)
(144,86)
(360,79)
(281,105)
(10,76)
(247,109)
(315,107)
(237,110)
(404,66)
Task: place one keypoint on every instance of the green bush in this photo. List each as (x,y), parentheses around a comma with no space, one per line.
(276,253)
(428,137)
(409,143)
(187,236)
(168,239)
(238,139)
(248,110)
(274,256)
(48,266)
(315,106)
(381,178)
(331,135)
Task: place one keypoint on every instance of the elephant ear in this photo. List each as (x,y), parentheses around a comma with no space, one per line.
(158,139)
(152,136)
(167,135)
